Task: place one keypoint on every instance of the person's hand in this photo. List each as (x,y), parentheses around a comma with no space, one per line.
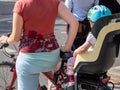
(65,49)
(3,39)
(75,54)
(78,51)
(82,49)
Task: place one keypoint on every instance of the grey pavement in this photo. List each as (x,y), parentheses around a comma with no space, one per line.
(6,15)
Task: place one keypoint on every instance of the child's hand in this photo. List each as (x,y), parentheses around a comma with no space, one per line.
(75,53)
(82,49)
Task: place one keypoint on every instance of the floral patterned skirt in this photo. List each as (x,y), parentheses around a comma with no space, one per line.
(36,43)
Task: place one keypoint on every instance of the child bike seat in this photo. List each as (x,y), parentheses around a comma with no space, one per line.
(107,33)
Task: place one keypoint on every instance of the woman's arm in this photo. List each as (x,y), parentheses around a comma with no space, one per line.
(68,17)
(16,30)
(69,4)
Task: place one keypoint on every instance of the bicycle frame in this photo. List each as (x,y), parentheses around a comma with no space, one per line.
(50,77)
(61,76)
(14,76)
(13,79)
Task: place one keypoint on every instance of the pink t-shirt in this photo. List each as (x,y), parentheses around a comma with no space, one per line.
(38,15)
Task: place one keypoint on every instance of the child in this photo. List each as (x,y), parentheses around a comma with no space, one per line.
(94,14)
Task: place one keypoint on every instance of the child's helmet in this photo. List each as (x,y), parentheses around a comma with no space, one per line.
(97,12)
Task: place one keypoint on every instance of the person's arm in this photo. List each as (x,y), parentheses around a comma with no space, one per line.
(82,49)
(69,4)
(16,30)
(68,17)
(90,41)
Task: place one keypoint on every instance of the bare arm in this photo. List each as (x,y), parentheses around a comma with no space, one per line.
(82,49)
(16,30)
(68,17)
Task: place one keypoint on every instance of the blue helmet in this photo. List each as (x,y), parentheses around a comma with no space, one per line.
(97,12)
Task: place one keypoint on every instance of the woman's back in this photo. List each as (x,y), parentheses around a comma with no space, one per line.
(38,15)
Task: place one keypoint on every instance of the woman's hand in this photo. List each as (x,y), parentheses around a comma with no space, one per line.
(65,48)
(3,39)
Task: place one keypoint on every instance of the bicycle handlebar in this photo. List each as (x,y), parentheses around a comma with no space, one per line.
(3,46)
(65,55)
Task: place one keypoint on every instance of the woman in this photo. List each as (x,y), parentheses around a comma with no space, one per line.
(33,22)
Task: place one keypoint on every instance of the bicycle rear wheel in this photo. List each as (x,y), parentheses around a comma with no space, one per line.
(6,75)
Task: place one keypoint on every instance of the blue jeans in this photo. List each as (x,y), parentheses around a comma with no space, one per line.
(29,65)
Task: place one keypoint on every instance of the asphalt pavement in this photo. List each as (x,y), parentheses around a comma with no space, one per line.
(6,7)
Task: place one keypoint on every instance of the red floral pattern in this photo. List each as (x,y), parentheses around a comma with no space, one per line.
(36,43)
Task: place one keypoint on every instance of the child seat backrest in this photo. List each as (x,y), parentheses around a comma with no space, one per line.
(103,56)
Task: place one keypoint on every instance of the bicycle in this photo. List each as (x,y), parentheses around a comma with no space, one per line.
(9,77)
(59,80)
(86,75)
(7,69)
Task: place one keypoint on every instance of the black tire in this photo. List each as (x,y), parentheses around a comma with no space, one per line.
(6,75)
(106,87)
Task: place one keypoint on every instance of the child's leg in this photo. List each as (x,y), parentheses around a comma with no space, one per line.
(58,65)
(51,86)
(70,65)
